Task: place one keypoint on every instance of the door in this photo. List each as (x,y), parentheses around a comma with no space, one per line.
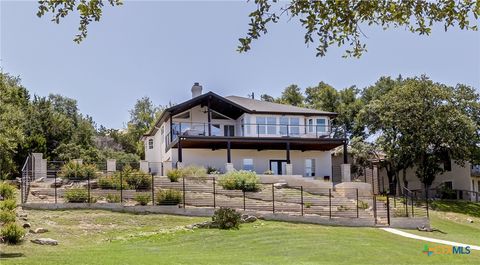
(278,167)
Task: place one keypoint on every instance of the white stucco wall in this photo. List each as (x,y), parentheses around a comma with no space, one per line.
(261,159)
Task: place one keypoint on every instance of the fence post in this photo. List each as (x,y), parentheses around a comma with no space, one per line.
(214,202)
(244,208)
(426,202)
(88,185)
(394,202)
(357,201)
(183,189)
(388,210)
(301,197)
(406,203)
(55,185)
(153,190)
(121,187)
(330,203)
(273,198)
(375,208)
(413,213)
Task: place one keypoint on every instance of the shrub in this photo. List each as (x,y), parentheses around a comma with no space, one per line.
(7,191)
(343,208)
(12,233)
(112,198)
(8,205)
(168,197)
(138,180)
(112,182)
(77,171)
(76,195)
(362,205)
(7,217)
(308,204)
(240,180)
(174,174)
(226,218)
(143,199)
(268,172)
(194,172)
(212,170)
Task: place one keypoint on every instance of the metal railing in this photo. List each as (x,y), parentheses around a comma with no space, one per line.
(248,130)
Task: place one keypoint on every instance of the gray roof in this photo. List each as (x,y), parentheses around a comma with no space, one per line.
(260,106)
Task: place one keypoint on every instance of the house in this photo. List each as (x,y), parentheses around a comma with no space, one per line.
(234,133)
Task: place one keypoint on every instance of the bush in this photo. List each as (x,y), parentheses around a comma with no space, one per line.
(76,195)
(7,191)
(77,171)
(174,174)
(143,199)
(7,217)
(240,180)
(112,182)
(168,197)
(8,205)
(362,205)
(213,170)
(195,172)
(138,180)
(268,172)
(112,198)
(308,204)
(12,233)
(226,218)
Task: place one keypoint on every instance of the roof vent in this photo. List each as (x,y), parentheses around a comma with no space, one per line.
(196,90)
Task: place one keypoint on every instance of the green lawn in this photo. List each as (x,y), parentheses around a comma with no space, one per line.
(101,237)
(451,218)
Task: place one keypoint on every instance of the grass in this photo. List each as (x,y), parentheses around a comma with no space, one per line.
(102,237)
(450,217)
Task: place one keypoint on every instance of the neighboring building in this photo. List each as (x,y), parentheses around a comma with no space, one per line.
(241,133)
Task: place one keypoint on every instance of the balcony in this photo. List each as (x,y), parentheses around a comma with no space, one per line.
(248,130)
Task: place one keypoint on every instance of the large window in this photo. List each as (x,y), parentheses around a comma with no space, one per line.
(283,125)
(150,144)
(321,125)
(248,164)
(228,130)
(309,167)
(310,126)
(261,121)
(271,125)
(294,126)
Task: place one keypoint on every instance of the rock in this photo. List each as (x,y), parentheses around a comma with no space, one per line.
(469,220)
(22,215)
(45,241)
(39,230)
(26,225)
(40,179)
(280,185)
(59,183)
(42,196)
(206,224)
(24,218)
(249,219)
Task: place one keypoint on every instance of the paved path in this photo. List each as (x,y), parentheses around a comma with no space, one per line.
(429,239)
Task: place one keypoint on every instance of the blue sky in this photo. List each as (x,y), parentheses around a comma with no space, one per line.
(159,49)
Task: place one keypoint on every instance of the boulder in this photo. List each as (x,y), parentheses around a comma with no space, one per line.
(39,230)
(248,218)
(469,220)
(40,179)
(45,241)
(206,224)
(26,225)
(42,196)
(59,183)
(280,185)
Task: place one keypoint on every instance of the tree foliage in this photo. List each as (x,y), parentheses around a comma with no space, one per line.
(326,23)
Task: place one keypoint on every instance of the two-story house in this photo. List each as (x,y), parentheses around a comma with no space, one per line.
(234,132)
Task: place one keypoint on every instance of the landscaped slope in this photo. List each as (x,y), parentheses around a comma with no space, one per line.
(100,237)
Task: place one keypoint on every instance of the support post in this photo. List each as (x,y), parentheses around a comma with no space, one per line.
(345,152)
(288,152)
(171,128)
(388,210)
(214,191)
(153,190)
(229,156)
(357,200)
(183,189)
(413,213)
(55,185)
(330,203)
(209,117)
(301,197)
(405,197)
(180,151)
(273,198)
(375,208)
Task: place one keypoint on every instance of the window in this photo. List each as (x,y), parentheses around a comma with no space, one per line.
(309,167)
(216,131)
(161,130)
(248,164)
(448,185)
(310,126)
(271,125)
(261,121)
(321,125)
(150,144)
(228,130)
(283,125)
(447,165)
(218,116)
(185,115)
(294,126)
